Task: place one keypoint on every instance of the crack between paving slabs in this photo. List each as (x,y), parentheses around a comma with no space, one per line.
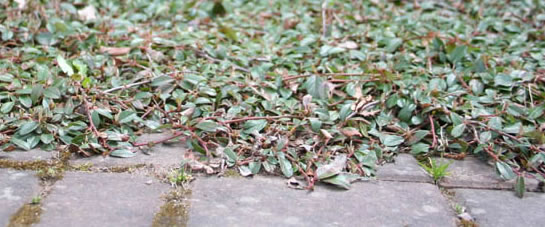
(48,172)
(175,209)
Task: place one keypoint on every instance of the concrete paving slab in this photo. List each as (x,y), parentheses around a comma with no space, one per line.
(404,169)
(16,189)
(31,155)
(102,199)
(498,208)
(471,172)
(266,201)
(161,155)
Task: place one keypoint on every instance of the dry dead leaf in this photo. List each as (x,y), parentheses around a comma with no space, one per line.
(21,4)
(115,51)
(350,132)
(333,168)
(295,184)
(88,13)
(326,134)
(155,55)
(290,23)
(366,113)
(348,45)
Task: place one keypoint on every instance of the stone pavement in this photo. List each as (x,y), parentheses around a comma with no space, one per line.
(129,192)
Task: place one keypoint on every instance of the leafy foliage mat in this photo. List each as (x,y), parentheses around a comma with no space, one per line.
(320,89)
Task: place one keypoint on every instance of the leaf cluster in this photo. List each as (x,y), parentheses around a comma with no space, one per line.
(278,86)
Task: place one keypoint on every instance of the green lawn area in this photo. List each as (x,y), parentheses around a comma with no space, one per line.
(320,89)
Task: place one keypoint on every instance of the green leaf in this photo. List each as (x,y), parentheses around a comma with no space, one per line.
(230,154)
(456,119)
(520,186)
(417,136)
(457,54)
(6,78)
(37,92)
(254,126)
(495,123)
(95,118)
(228,32)
(52,93)
(285,165)
(485,137)
(81,67)
(87,83)
(126,116)
(26,101)
(122,153)
(244,171)
(420,148)
(536,112)
(505,170)
(25,91)
(315,124)
(161,80)
(327,50)
(339,180)
(20,143)
(538,159)
(333,168)
(104,112)
(197,147)
(393,44)
(208,126)
(392,140)
(46,38)
(316,87)
(458,130)
(47,138)
(477,87)
(503,80)
(65,67)
(255,167)
(6,107)
(33,141)
(28,127)
(217,10)
(345,111)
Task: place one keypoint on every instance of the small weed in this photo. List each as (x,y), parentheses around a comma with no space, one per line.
(180,176)
(51,173)
(436,170)
(459,208)
(36,200)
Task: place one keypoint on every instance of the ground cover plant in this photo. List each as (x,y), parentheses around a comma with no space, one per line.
(319,89)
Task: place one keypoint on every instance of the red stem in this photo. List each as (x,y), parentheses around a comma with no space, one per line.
(310,181)
(258,118)
(434,143)
(177,134)
(328,74)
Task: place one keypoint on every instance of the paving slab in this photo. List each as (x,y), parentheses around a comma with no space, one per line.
(161,155)
(31,155)
(16,189)
(102,199)
(404,169)
(472,172)
(267,201)
(498,208)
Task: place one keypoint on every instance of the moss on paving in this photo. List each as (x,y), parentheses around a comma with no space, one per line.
(22,165)
(26,216)
(45,170)
(231,173)
(175,210)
